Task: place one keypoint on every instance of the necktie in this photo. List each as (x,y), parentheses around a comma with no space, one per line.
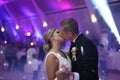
(72,45)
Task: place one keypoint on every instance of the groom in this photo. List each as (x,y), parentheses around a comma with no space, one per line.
(84,60)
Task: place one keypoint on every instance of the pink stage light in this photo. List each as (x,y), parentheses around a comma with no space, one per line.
(63,4)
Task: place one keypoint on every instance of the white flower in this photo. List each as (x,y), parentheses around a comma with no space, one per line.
(74,49)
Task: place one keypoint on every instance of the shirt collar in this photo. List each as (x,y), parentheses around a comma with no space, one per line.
(75,38)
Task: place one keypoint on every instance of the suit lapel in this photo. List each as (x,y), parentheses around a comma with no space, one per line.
(79,39)
(76,44)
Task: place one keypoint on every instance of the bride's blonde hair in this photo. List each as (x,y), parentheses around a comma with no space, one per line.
(47,35)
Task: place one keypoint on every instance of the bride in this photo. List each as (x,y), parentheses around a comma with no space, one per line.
(56,59)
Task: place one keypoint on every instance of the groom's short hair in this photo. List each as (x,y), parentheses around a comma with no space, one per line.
(69,25)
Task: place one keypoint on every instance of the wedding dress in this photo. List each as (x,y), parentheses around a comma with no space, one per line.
(62,61)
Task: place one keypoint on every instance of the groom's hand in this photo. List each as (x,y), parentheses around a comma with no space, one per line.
(63,73)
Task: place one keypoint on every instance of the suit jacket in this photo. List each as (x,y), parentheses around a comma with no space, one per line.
(87,59)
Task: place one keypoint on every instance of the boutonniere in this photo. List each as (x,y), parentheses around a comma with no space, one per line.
(73,50)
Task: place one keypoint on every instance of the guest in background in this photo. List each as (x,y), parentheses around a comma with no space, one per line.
(10,56)
(21,55)
(102,59)
(35,64)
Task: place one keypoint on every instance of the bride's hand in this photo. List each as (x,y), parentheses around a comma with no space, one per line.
(63,73)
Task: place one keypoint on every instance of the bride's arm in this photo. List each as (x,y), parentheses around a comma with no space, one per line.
(51,67)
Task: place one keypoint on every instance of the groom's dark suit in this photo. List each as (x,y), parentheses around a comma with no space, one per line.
(87,59)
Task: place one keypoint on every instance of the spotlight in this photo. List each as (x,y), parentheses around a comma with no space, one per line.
(1,78)
(87,32)
(105,10)
(5,42)
(5,64)
(93,18)
(45,24)
(17,27)
(28,34)
(1,52)
(2,29)
(29,62)
(31,43)
(24,77)
(118,50)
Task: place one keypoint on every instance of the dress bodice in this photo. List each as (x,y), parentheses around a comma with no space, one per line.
(62,61)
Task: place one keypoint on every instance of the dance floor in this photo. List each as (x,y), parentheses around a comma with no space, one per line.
(18,75)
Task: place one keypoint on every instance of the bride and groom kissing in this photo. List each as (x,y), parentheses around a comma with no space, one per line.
(82,61)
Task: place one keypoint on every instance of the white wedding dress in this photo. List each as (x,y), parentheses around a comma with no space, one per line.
(62,61)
